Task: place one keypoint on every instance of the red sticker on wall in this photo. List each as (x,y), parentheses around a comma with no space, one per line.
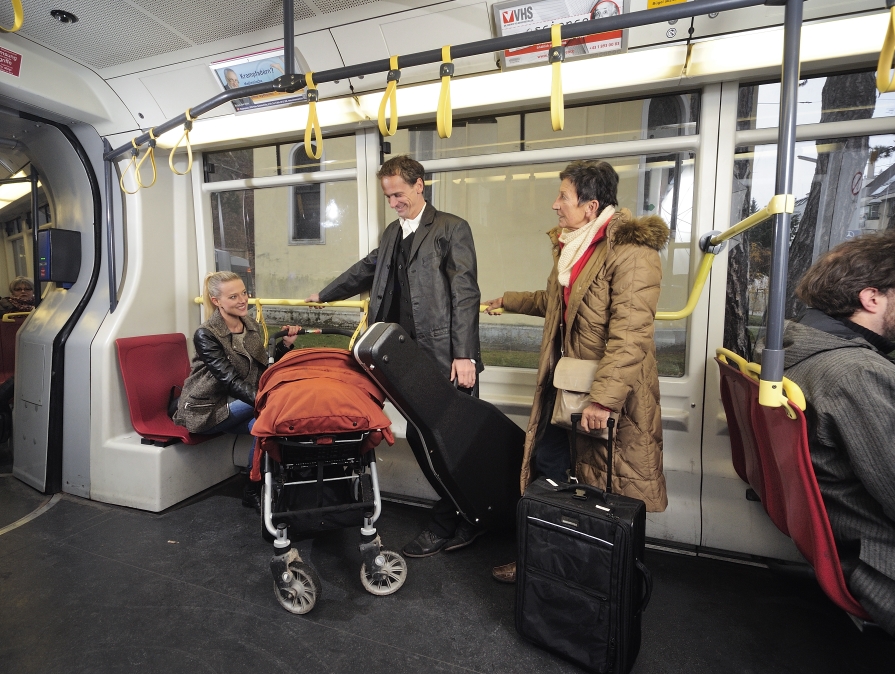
(10,62)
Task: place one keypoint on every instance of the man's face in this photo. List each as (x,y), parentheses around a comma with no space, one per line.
(572,215)
(407,200)
(232,80)
(889,316)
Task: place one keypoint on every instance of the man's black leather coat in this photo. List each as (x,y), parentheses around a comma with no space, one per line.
(444,291)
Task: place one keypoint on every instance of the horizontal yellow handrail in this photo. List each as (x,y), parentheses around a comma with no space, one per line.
(8,318)
(781,203)
(346,304)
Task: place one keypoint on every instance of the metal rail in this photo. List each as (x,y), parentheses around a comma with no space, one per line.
(292,82)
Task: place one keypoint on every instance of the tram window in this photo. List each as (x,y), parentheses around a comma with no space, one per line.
(821,99)
(19,257)
(509,210)
(258,224)
(658,117)
(844,187)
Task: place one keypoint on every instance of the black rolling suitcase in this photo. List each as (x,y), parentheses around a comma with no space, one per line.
(472,448)
(581,585)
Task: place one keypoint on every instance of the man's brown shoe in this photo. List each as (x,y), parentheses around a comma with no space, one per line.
(505,573)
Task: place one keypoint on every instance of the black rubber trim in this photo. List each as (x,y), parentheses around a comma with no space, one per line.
(53,480)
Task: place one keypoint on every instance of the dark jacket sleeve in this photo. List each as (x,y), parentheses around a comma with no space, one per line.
(358,278)
(210,351)
(460,268)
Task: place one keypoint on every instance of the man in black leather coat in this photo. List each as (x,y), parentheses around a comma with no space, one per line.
(423,277)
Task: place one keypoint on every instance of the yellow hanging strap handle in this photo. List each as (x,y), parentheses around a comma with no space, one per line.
(445,120)
(18,17)
(259,319)
(313,123)
(187,127)
(132,162)
(150,152)
(390,97)
(885,78)
(556,56)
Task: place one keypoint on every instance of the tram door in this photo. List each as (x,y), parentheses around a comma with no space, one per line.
(51,419)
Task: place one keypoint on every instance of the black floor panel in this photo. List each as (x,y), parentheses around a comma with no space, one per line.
(100,589)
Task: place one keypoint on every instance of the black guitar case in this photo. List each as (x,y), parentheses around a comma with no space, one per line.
(473,449)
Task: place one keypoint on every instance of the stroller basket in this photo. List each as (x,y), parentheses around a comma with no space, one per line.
(313,450)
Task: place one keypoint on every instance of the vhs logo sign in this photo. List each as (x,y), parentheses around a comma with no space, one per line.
(517,14)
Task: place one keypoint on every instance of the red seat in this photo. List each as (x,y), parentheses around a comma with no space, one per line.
(150,367)
(739,395)
(788,456)
(8,332)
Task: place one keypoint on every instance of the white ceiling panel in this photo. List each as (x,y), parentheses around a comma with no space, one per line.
(359,43)
(177,90)
(433,31)
(203,21)
(134,94)
(321,53)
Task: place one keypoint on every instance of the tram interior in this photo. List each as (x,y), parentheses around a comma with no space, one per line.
(120,556)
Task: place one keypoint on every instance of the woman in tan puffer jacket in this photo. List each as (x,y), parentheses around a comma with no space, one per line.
(605,311)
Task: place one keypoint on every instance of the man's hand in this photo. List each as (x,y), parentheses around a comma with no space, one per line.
(594,417)
(314,298)
(289,339)
(494,304)
(463,370)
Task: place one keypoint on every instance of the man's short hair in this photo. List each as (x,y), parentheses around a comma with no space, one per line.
(409,169)
(834,283)
(593,180)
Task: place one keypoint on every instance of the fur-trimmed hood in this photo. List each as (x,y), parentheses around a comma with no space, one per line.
(625,229)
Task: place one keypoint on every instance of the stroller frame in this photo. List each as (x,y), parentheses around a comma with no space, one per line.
(296,584)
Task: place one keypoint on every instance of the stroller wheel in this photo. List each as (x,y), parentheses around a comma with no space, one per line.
(391,576)
(303,591)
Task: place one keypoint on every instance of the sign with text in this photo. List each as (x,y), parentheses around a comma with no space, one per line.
(655,4)
(10,62)
(512,18)
(263,66)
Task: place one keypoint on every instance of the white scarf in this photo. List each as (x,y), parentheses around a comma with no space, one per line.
(575,243)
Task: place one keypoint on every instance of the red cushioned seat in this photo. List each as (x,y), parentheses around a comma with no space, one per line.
(739,395)
(8,346)
(788,456)
(150,367)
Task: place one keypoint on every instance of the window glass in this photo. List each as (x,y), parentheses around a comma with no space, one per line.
(658,117)
(253,228)
(509,208)
(280,159)
(20,260)
(821,99)
(844,187)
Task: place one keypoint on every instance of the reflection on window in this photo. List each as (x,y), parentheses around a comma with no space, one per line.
(274,160)
(844,187)
(307,223)
(20,259)
(821,99)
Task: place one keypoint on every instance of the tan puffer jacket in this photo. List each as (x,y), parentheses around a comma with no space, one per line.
(611,311)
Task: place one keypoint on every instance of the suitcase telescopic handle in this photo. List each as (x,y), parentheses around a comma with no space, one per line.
(610,424)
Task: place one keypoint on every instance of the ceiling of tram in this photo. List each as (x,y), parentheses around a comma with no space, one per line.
(113,32)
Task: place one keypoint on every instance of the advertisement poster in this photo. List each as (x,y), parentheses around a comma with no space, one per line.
(512,18)
(263,66)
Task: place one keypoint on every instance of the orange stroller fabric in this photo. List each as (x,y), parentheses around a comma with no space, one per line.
(316,392)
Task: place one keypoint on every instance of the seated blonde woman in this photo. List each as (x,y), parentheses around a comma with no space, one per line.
(21,296)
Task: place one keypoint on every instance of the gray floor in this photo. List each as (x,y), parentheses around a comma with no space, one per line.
(99,589)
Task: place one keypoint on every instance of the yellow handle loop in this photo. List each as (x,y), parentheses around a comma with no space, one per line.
(187,127)
(18,17)
(884,68)
(313,122)
(259,318)
(132,162)
(557,54)
(150,152)
(390,97)
(444,119)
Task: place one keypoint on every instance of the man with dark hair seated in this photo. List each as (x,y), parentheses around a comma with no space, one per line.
(839,353)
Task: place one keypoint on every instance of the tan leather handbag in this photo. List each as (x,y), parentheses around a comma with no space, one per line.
(572,379)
